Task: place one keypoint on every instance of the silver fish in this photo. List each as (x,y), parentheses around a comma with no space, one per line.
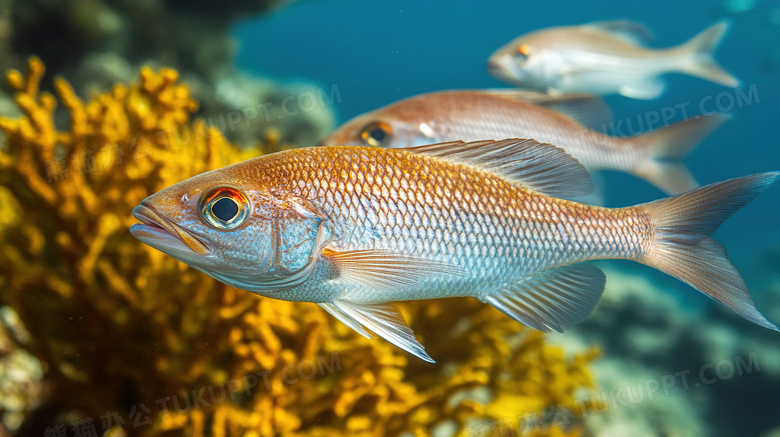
(495,114)
(605,58)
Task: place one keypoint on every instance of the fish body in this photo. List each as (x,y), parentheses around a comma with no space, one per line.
(605,58)
(354,228)
(479,115)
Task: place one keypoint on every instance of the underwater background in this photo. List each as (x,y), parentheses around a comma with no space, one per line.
(384,51)
(101,333)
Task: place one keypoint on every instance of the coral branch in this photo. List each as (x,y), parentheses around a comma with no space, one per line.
(121,328)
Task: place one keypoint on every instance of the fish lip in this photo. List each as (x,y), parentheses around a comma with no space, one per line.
(497,70)
(500,69)
(153,219)
(492,66)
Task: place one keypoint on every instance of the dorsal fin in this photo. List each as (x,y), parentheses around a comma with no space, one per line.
(534,165)
(586,109)
(627,30)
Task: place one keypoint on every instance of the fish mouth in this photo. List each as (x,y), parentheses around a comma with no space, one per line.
(498,71)
(494,68)
(159,232)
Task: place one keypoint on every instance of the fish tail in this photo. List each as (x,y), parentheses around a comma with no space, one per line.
(683,247)
(701,63)
(668,146)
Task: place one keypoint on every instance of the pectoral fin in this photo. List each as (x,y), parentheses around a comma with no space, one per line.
(644,90)
(384,270)
(383,319)
(554,300)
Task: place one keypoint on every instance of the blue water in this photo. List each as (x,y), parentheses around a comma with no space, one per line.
(380,52)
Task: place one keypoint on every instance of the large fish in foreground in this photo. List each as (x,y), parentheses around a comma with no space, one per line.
(480,115)
(605,57)
(355,228)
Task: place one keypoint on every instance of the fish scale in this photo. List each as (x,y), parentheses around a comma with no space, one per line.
(466,228)
(507,118)
(496,114)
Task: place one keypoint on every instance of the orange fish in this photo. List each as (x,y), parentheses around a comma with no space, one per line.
(480,115)
(356,228)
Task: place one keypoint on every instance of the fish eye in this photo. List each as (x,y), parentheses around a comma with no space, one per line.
(224,208)
(377,134)
(522,52)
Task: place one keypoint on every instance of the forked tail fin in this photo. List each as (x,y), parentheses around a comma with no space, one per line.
(700,60)
(668,146)
(684,249)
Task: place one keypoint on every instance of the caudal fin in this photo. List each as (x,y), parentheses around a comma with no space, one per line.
(700,59)
(684,249)
(668,146)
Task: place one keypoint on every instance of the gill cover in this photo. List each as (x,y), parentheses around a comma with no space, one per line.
(298,232)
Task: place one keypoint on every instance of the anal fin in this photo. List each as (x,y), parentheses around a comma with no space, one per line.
(383,319)
(554,300)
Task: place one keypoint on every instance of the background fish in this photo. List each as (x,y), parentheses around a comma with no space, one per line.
(605,57)
(481,115)
(353,228)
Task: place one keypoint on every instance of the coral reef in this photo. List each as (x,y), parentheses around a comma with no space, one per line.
(674,369)
(194,35)
(132,341)
(97,43)
(20,373)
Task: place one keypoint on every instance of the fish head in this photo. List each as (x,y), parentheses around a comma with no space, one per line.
(510,62)
(238,232)
(530,60)
(384,128)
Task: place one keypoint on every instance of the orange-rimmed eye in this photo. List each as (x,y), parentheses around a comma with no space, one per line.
(224,208)
(377,134)
(522,51)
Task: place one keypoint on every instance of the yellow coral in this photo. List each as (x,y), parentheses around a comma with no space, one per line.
(137,342)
